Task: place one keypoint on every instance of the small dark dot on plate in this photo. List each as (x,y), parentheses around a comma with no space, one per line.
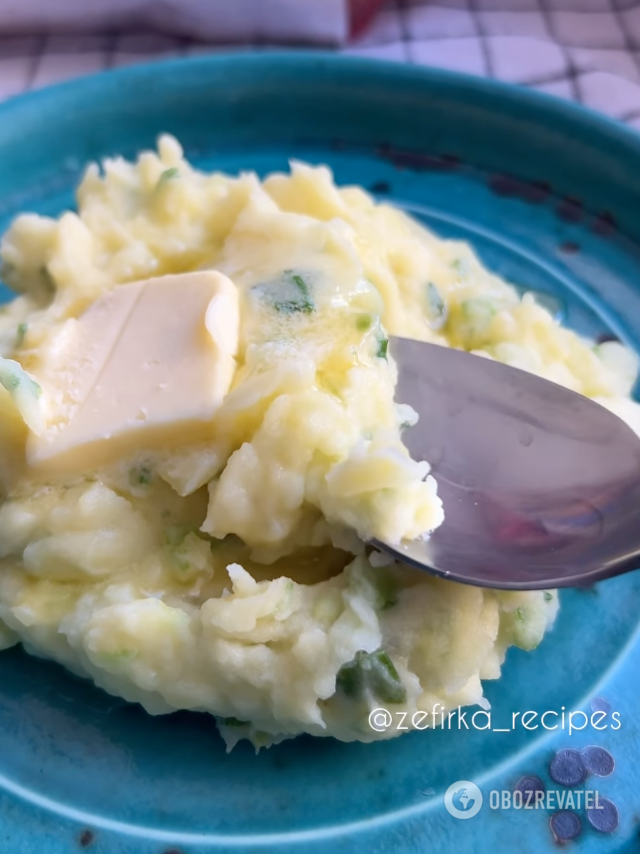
(597,760)
(605,338)
(567,767)
(418,161)
(380,187)
(173,851)
(569,209)
(569,247)
(504,185)
(535,191)
(86,838)
(529,191)
(605,819)
(529,785)
(565,825)
(604,224)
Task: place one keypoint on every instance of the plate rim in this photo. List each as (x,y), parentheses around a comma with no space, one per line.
(522,96)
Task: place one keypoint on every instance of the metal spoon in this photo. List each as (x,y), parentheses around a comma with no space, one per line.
(540,485)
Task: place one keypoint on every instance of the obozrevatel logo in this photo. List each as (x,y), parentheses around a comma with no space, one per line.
(463,799)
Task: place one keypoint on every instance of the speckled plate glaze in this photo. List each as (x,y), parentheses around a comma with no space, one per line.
(548,194)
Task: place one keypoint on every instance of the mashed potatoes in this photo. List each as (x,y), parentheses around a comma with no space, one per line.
(230,574)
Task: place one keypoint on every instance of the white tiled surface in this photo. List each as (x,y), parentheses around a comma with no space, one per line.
(583,49)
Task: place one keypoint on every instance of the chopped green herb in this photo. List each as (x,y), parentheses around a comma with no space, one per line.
(461,266)
(520,614)
(25,392)
(364,322)
(303,301)
(118,657)
(388,591)
(436,308)
(175,534)
(141,475)
(22,331)
(383,346)
(349,678)
(233,722)
(385,681)
(374,671)
(478,309)
(547,596)
(180,560)
(386,587)
(477,316)
(289,294)
(10,381)
(168,175)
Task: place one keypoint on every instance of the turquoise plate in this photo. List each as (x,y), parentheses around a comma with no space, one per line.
(549,195)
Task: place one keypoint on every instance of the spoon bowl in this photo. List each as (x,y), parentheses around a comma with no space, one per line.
(540,485)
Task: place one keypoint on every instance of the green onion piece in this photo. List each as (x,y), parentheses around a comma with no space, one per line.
(175,534)
(22,331)
(478,309)
(349,678)
(477,316)
(180,560)
(141,475)
(384,679)
(383,346)
(301,299)
(234,722)
(168,175)
(375,671)
(437,312)
(364,322)
(25,392)
(386,587)
(10,381)
(520,614)
(123,655)
(547,596)
(461,266)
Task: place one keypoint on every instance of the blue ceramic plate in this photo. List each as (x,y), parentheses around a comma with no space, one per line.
(548,194)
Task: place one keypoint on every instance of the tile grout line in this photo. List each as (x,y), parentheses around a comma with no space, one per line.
(571,75)
(476,15)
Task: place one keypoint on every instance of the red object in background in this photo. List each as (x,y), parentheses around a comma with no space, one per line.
(361,13)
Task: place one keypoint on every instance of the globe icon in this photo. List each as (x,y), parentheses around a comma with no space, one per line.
(462,801)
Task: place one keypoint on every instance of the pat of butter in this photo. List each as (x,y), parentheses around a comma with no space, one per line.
(146,366)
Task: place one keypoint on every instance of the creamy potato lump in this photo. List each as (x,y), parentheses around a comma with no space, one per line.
(198,436)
